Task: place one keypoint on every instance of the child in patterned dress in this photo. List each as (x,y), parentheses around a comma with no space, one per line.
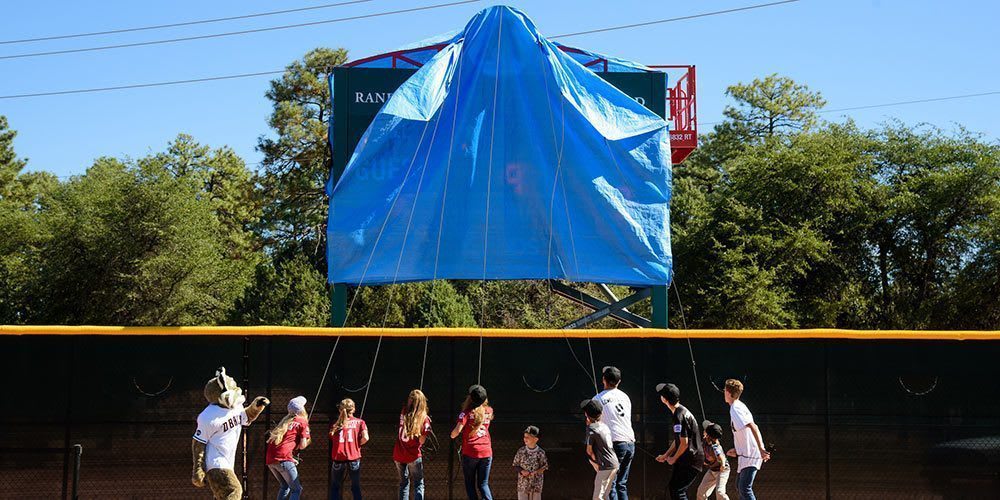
(531,463)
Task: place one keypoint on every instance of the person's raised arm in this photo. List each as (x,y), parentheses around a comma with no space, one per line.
(256,408)
(457,430)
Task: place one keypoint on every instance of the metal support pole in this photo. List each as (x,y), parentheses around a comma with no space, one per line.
(67,435)
(267,410)
(246,388)
(451,404)
(77,454)
(660,306)
(338,305)
(826,361)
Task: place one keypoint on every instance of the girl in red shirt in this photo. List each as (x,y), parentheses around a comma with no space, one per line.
(414,424)
(291,434)
(477,449)
(347,435)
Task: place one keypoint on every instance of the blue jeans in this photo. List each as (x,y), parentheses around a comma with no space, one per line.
(744,483)
(477,477)
(681,478)
(411,472)
(625,451)
(337,480)
(289,487)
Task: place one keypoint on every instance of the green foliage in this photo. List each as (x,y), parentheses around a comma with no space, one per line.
(296,162)
(290,293)
(936,238)
(412,305)
(22,196)
(778,220)
(771,106)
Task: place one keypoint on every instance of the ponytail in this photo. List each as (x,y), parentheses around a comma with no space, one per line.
(346,411)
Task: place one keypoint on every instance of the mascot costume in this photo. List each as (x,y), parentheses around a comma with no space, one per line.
(219,426)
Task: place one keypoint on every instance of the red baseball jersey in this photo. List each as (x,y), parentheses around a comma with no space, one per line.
(407,449)
(298,428)
(477,444)
(344,442)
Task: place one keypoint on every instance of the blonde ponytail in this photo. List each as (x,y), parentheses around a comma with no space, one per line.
(346,411)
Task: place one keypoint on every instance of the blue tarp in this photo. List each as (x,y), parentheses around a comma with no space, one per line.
(505,158)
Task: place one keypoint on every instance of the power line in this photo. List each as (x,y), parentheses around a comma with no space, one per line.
(141,85)
(891,104)
(672,19)
(234,33)
(176,25)
(917,101)
(246,75)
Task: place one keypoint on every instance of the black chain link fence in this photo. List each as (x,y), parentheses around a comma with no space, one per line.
(846,419)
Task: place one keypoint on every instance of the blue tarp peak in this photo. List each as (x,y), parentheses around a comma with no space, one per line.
(506,159)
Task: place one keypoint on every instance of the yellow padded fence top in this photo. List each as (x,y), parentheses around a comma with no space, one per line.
(501,333)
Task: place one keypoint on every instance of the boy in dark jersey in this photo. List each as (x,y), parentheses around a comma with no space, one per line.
(685,453)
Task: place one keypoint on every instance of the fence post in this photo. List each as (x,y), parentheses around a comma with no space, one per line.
(246,388)
(451,405)
(77,454)
(826,361)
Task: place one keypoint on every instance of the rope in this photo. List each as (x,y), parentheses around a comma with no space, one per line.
(364,273)
(423,362)
(323,379)
(593,371)
(694,366)
(489,187)
(402,249)
(370,375)
(582,366)
(556,180)
(444,198)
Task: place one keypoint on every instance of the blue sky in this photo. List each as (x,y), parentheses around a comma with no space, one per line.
(856,52)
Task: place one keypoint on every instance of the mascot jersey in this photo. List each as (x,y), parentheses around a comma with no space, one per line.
(219,429)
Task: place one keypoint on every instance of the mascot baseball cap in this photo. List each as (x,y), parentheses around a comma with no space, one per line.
(297,404)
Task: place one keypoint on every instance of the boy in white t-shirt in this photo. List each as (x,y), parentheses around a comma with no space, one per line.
(617,415)
(746,437)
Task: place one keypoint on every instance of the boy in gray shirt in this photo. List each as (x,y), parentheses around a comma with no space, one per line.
(600,452)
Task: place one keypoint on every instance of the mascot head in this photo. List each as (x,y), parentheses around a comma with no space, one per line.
(223,391)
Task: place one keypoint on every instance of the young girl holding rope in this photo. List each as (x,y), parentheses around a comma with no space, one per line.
(347,435)
(414,424)
(477,450)
(291,434)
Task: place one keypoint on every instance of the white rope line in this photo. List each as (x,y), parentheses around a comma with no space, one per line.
(399,260)
(370,375)
(322,380)
(381,230)
(489,186)
(402,248)
(559,147)
(423,362)
(444,198)
(364,273)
